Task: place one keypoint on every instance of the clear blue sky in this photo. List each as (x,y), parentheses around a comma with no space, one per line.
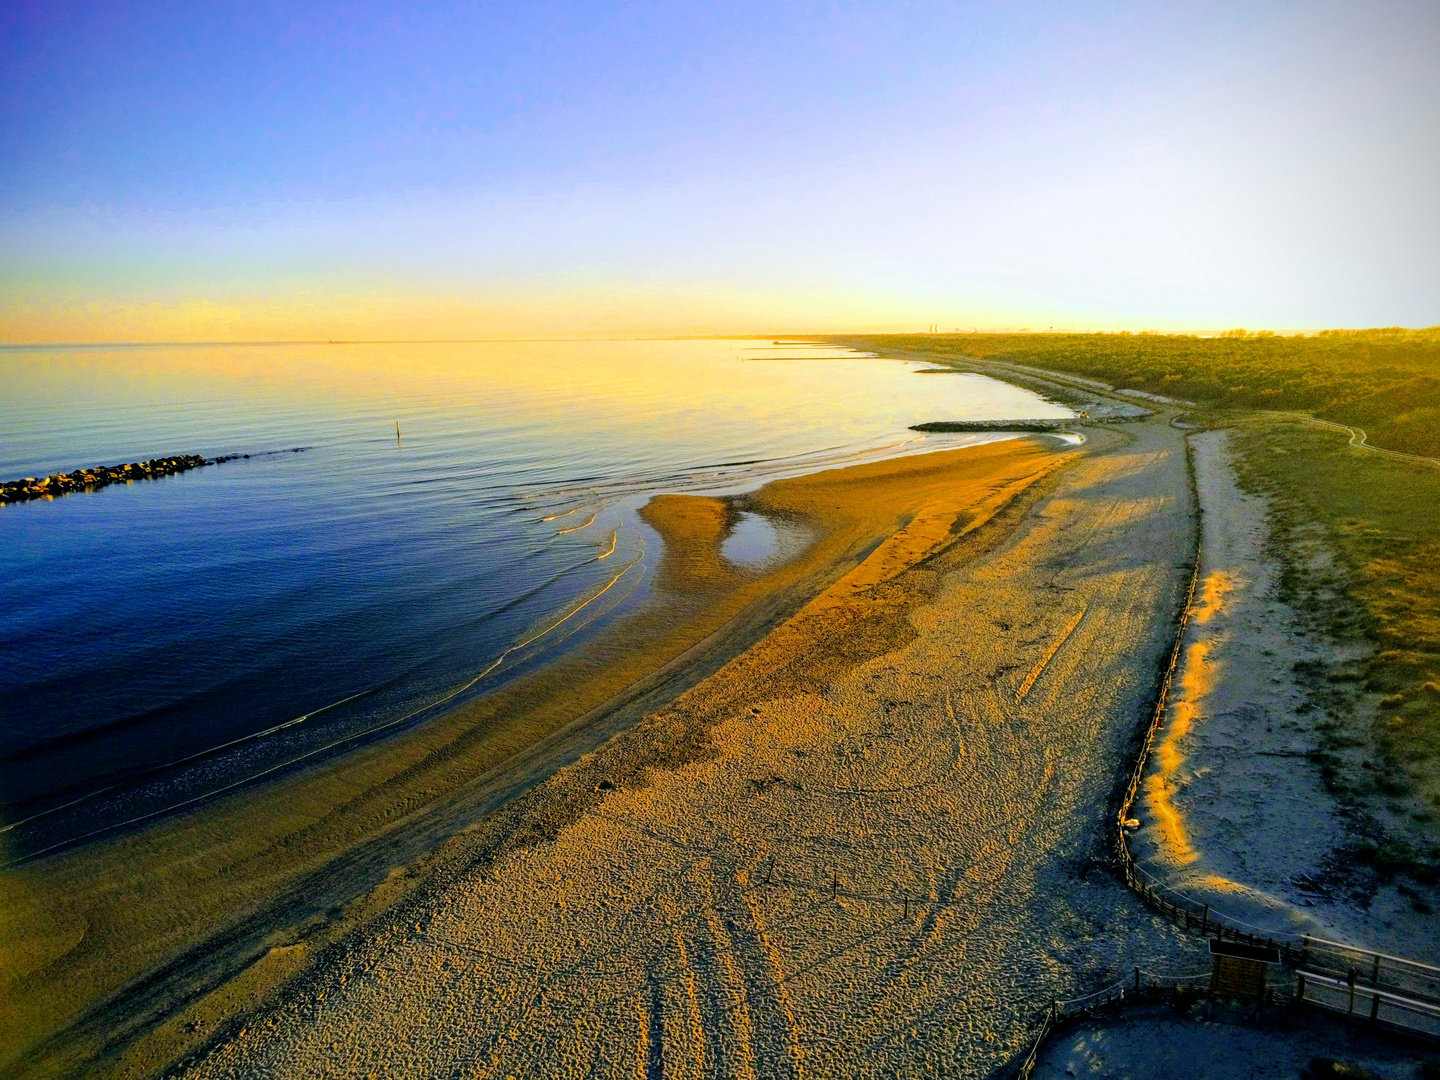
(257,169)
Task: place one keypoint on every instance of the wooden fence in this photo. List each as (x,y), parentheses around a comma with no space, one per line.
(1400,993)
(1145,989)
(1355,999)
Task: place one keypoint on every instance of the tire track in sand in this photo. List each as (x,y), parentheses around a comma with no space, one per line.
(741,986)
(1039,669)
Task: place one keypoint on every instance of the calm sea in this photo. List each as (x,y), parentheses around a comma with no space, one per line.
(165,640)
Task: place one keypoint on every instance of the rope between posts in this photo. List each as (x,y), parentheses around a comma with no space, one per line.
(1161,980)
(1132,870)
(1063,1007)
(1219,917)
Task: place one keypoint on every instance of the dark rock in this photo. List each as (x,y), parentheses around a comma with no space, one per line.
(103,475)
(993,425)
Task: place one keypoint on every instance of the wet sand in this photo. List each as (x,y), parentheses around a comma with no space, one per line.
(872,844)
(130,951)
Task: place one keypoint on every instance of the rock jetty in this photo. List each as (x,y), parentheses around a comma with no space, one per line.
(101,476)
(993,425)
(13,491)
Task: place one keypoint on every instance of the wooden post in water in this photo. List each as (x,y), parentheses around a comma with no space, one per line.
(397,434)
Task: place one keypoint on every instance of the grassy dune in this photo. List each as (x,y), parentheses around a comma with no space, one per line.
(1359,538)
(1358,534)
(1386,381)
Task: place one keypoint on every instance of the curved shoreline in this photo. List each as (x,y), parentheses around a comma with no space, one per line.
(830,857)
(197,900)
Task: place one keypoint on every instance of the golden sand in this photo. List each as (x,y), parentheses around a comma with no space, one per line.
(851,851)
(693,528)
(1198,674)
(79,927)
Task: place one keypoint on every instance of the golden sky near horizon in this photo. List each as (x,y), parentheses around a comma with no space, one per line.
(573,170)
(560,314)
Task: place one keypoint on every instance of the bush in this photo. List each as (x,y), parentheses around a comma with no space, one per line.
(1386,381)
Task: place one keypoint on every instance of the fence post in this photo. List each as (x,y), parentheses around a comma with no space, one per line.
(1205,922)
(1374,1006)
(1300,987)
(1350,978)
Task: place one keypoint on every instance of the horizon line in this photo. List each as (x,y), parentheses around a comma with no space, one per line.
(271,342)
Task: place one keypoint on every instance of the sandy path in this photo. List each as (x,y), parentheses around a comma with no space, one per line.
(640,937)
(1234,813)
(1156,1042)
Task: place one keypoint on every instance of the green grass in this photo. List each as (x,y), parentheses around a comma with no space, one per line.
(1386,381)
(1356,534)
(1358,537)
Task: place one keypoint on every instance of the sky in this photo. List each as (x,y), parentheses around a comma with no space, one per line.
(259,170)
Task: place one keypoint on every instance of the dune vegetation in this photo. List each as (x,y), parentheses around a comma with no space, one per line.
(1386,381)
(1359,539)
(1357,533)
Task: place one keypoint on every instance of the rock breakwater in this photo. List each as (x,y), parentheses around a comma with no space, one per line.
(993,425)
(31,487)
(100,476)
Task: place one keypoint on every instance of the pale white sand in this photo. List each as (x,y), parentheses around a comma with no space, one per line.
(1154,1043)
(638,937)
(1257,831)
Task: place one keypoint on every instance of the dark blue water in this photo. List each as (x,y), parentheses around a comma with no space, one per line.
(165,640)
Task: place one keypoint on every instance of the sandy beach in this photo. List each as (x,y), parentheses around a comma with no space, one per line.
(112,949)
(1159,1041)
(871,844)
(1234,809)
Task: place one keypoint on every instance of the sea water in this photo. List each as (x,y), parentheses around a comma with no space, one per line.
(416,524)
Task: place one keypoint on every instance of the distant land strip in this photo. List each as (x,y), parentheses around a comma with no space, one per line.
(1024,425)
(994,425)
(31,487)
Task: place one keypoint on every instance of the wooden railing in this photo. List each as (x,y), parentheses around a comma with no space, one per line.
(1398,973)
(1362,1002)
(1145,989)
(1400,993)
